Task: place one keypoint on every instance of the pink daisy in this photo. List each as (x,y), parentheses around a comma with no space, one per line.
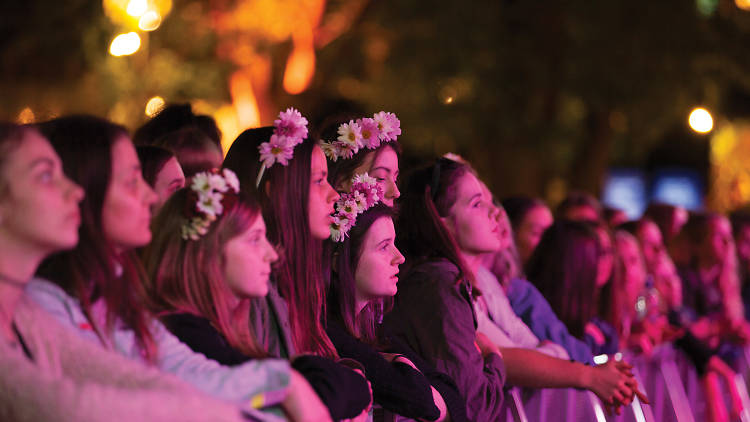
(277,150)
(291,124)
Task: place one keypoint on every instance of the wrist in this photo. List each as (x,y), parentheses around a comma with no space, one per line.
(586,380)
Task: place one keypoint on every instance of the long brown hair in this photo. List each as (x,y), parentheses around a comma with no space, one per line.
(421,235)
(284,195)
(188,275)
(89,272)
(342,291)
(564,269)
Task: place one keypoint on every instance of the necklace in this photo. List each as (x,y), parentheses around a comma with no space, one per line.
(13,281)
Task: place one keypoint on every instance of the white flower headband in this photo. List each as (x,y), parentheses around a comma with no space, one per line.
(211,192)
(289,130)
(363,133)
(364,193)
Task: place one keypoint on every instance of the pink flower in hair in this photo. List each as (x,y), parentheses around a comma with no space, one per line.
(345,150)
(364,193)
(278,149)
(389,125)
(210,204)
(292,125)
(351,134)
(370,132)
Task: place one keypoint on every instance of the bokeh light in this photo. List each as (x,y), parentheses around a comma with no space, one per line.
(154,105)
(700,120)
(125,44)
(149,21)
(26,116)
(137,8)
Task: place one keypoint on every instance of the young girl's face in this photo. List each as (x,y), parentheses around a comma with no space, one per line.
(322,196)
(377,270)
(633,267)
(720,241)
(38,203)
(247,261)
(384,169)
(667,282)
(606,258)
(126,212)
(473,218)
(531,229)
(168,181)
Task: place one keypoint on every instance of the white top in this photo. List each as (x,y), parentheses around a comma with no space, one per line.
(496,319)
(69,379)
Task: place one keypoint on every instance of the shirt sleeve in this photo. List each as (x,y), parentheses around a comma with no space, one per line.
(198,334)
(252,385)
(396,386)
(531,306)
(434,316)
(70,379)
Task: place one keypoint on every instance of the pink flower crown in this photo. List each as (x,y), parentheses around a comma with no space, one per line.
(364,193)
(211,192)
(289,130)
(363,133)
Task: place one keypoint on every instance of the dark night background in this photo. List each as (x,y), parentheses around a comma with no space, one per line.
(542,97)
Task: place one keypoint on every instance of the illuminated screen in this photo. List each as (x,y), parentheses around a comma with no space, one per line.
(626,189)
(678,187)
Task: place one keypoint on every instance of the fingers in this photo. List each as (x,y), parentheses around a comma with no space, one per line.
(641,396)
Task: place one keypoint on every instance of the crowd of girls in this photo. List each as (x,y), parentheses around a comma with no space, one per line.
(297,278)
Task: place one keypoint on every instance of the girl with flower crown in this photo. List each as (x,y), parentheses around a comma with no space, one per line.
(363,281)
(287,173)
(375,150)
(97,288)
(47,372)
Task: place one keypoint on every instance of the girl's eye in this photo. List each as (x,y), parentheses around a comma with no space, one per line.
(46,176)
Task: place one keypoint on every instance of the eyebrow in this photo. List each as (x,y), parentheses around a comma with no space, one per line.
(474,196)
(42,160)
(387,240)
(387,170)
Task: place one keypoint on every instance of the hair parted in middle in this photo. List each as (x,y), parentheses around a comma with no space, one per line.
(89,272)
(283,194)
(341,294)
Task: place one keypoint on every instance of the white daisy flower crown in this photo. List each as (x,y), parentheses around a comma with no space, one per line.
(363,195)
(210,192)
(362,133)
(289,130)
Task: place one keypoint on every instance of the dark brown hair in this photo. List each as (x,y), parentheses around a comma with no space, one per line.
(88,272)
(429,195)
(152,160)
(564,269)
(341,294)
(188,275)
(284,195)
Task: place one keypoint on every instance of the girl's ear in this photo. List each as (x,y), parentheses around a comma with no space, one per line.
(267,188)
